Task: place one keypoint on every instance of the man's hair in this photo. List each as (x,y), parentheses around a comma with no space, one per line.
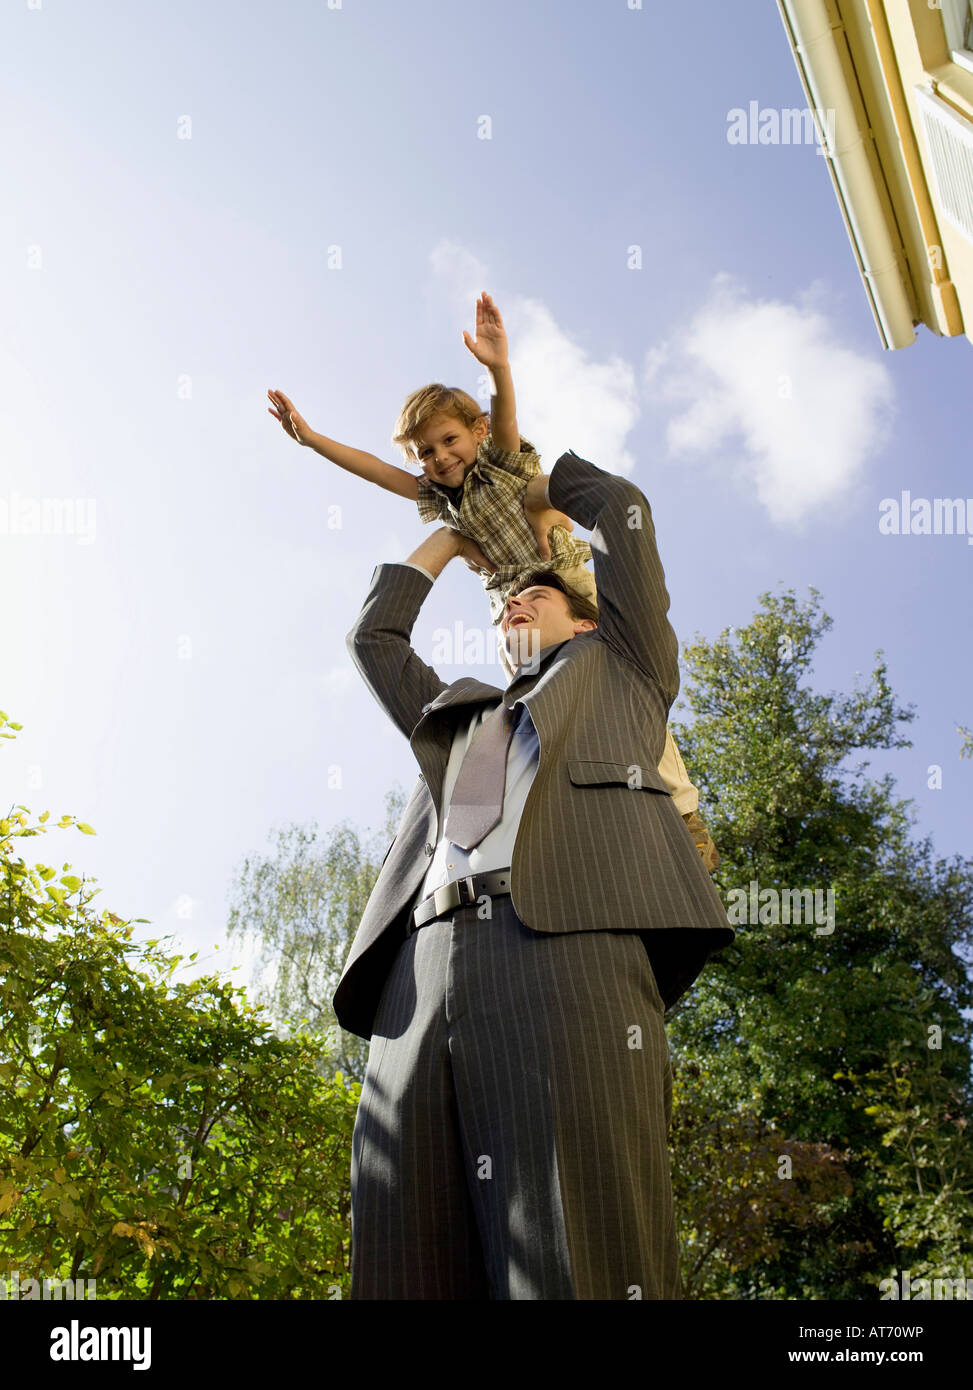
(423,405)
(579,607)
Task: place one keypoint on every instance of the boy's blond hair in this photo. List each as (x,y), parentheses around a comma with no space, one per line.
(422,405)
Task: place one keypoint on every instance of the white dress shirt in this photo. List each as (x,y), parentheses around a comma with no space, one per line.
(496,849)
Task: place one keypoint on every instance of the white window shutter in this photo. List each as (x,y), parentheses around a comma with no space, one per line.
(949,144)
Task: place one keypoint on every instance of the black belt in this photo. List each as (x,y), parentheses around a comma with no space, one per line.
(461,892)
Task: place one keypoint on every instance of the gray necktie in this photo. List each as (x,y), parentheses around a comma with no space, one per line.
(476,804)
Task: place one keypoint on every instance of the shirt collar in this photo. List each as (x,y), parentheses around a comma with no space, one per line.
(544,660)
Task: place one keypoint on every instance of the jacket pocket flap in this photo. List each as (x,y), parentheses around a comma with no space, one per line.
(586,773)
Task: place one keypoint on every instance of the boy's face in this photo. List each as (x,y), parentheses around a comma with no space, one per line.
(446,449)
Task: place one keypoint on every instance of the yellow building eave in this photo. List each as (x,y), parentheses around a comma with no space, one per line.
(812,37)
(939,285)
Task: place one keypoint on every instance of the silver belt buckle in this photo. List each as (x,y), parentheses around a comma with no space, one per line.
(456,894)
(440,900)
(448,896)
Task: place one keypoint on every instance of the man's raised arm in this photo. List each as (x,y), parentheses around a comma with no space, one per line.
(380,643)
(633,603)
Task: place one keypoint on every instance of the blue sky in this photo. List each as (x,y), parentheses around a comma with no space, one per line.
(180,668)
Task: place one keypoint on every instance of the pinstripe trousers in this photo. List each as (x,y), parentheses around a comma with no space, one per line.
(511,1138)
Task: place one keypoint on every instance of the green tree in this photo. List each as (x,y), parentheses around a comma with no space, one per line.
(803,1035)
(926,1187)
(743,1187)
(155,1136)
(302,904)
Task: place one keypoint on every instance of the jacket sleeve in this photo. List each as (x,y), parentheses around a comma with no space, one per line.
(380,645)
(633,603)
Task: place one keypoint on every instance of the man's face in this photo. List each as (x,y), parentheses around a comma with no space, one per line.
(537,618)
(446,449)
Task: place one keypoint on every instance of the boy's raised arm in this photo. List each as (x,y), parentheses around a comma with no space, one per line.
(490,348)
(503,412)
(357,461)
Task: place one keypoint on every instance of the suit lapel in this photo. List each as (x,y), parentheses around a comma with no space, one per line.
(432,737)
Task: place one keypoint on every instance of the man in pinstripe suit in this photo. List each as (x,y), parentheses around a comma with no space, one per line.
(511,1139)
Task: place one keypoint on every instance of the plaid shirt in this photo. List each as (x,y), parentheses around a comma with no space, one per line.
(489,508)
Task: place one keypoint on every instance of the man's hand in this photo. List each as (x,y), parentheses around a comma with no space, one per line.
(473,555)
(490,344)
(436,551)
(295,425)
(541,515)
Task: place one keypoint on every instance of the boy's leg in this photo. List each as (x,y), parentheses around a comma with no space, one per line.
(580,578)
(673,772)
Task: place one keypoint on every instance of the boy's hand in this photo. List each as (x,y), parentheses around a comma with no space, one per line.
(472,554)
(295,425)
(490,344)
(542,516)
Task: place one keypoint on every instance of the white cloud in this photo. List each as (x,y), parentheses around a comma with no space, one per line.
(809,411)
(464,275)
(185,909)
(655,359)
(334,682)
(565,400)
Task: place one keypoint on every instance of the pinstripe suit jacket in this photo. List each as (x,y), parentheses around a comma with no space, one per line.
(600,846)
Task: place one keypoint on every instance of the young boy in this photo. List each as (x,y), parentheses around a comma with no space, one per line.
(474,475)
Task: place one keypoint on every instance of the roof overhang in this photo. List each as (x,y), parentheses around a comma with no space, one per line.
(814,45)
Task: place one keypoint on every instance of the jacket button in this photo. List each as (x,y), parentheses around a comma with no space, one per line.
(430,849)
